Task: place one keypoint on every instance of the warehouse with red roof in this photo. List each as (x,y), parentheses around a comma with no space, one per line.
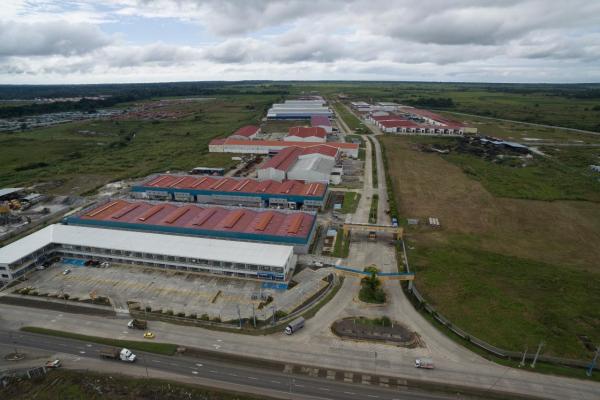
(292,228)
(310,164)
(247,192)
(247,132)
(306,134)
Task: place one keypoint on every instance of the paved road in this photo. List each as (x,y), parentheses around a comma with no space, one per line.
(285,384)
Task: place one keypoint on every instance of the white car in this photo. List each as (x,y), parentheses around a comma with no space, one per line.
(53,363)
(66,271)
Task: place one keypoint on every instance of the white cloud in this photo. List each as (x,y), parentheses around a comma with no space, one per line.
(499,40)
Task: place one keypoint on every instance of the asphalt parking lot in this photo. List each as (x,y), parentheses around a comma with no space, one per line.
(179,292)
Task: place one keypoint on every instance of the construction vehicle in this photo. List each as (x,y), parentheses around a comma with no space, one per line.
(137,324)
(425,363)
(293,326)
(118,354)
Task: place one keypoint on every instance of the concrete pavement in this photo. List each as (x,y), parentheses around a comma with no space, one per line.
(246,379)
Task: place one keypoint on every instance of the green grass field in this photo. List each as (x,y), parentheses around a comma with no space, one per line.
(508,301)
(350,119)
(151,347)
(71,385)
(350,203)
(505,268)
(72,161)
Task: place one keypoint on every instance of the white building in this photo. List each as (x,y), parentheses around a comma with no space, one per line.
(165,251)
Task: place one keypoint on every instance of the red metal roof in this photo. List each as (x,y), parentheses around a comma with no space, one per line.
(281,143)
(322,149)
(236,185)
(283,160)
(242,220)
(247,130)
(304,131)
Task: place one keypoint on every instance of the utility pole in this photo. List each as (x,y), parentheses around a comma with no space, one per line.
(239,316)
(537,354)
(253,315)
(593,363)
(522,363)
(273,320)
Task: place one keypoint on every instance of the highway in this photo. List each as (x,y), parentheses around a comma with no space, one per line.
(286,384)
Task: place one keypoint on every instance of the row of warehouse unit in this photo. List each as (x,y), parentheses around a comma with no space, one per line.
(273,146)
(183,253)
(247,192)
(257,225)
(299,109)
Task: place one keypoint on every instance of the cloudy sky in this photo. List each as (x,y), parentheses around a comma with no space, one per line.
(79,41)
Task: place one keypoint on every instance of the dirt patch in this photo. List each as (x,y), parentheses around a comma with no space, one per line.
(360,328)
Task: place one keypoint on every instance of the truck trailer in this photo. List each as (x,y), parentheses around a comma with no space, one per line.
(114,353)
(293,326)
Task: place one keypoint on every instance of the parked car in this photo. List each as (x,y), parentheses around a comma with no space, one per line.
(66,271)
(53,363)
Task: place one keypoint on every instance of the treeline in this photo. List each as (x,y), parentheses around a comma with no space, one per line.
(120,94)
(434,102)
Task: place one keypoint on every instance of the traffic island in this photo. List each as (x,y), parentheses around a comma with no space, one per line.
(376,329)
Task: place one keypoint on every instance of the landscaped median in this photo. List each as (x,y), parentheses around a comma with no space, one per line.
(150,347)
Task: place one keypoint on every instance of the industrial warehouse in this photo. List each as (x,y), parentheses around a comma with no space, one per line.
(233,191)
(300,109)
(312,164)
(273,146)
(264,226)
(184,253)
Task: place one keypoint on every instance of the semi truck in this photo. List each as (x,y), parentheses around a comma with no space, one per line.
(293,326)
(118,354)
(425,363)
(137,324)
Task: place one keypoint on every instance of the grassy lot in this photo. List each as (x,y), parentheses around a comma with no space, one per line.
(70,160)
(273,126)
(373,209)
(151,347)
(531,263)
(350,119)
(341,248)
(65,384)
(350,203)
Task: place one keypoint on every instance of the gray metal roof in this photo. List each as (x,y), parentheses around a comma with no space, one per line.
(7,191)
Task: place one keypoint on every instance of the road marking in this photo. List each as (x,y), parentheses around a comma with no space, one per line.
(156,361)
(349,393)
(216,346)
(81,352)
(253,378)
(295,384)
(213,371)
(275,382)
(88,345)
(373,396)
(195,372)
(199,365)
(232,374)
(325,389)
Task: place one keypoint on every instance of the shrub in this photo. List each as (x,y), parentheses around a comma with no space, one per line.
(204,317)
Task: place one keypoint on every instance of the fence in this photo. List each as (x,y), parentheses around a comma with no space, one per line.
(502,353)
